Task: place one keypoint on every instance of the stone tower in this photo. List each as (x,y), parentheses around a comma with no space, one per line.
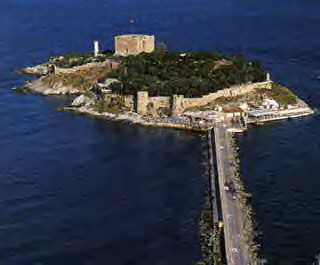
(134,44)
(177,104)
(142,102)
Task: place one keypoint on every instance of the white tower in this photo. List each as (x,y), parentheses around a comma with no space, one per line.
(96,48)
(268,77)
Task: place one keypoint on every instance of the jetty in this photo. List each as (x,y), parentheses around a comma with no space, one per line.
(233,223)
(236,251)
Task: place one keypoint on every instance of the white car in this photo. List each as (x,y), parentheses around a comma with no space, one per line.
(234,250)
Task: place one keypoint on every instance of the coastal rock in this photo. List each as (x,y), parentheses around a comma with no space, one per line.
(41,69)
(82,100)
(39,86)
(62,90)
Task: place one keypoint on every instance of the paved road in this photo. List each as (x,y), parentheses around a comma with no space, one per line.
(235,248)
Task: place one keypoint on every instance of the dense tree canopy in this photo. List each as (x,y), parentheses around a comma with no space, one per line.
(192,74)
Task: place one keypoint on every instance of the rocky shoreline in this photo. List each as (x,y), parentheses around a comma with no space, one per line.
(205,220)
(84,104)
(131,117)
(38,86)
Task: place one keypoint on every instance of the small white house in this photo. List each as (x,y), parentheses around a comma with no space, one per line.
(105,86)
(270,104)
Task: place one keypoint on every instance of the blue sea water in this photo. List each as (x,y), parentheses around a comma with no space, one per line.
(75,190)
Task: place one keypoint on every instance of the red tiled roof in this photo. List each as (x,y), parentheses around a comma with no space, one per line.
(231,109)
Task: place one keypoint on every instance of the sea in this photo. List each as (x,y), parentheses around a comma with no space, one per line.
(75,190)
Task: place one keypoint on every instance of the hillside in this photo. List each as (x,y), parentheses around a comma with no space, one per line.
(192,74)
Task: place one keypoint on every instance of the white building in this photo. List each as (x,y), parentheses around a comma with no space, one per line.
(270,104)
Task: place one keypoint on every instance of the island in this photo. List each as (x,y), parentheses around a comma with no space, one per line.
(156,87)
(200,91)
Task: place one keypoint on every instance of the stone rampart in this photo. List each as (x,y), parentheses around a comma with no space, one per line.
(142,102)
(177,104)
(82,68)
(49,68)
(126,101)
(160,102)
(180,103)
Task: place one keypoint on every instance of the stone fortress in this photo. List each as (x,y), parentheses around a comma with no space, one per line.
(134,44)
(143,104)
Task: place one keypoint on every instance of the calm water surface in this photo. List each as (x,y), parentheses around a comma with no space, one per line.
(75,190)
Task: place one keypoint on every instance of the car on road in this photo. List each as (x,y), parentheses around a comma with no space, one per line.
(235,250)
(229,188)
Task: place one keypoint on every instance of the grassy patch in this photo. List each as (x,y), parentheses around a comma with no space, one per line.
(282,95)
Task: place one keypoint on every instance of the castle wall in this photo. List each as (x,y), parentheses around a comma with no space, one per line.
(160,102)
(85,67)
(178,103)
(149,45)
(142,102)
(127,101)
